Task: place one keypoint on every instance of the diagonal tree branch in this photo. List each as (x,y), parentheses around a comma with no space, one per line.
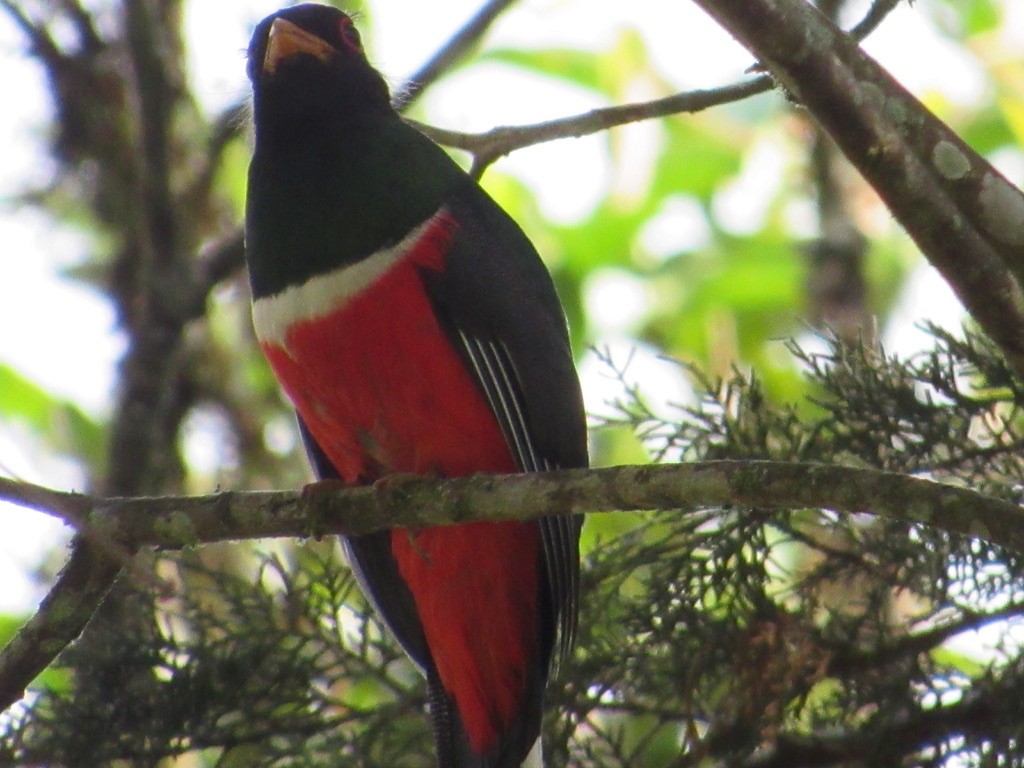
(966,218)
(79,588)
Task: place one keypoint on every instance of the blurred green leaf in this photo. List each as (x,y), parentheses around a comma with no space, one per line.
(980,16)
(609,72)
(231,176)
(24,399)
(699,154)
(9,625)
(742,292)
(961,662)
(63,425)
(960,19)
(995,128)
(583,68)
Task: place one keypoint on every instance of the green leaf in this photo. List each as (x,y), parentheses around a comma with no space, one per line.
(609,72)
(699,155)
(60,423)
(961,662)
(232,174)
(9,626)
(582,68)
(24,399)
(959,19)
(980,16)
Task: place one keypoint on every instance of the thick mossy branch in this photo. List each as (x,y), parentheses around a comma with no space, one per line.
(413,501)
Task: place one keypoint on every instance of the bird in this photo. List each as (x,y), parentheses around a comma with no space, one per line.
(415,329)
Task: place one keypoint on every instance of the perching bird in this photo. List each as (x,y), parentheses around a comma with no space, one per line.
(416,330)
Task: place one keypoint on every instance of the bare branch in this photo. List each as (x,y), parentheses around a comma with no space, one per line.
(491,145)
(72,509)
(450,53)
(873,18)
(848,659)
(84,24)
(330,508)
(218,262)
(80,587)
(96,559)
(43,45)
(494,144)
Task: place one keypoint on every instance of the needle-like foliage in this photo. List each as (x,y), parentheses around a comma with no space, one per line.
(732,637)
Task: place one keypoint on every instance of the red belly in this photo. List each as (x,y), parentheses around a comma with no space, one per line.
(382,391)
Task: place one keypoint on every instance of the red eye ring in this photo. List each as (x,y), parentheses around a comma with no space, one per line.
(349,35)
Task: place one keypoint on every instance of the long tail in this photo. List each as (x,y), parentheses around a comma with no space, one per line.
(519,748)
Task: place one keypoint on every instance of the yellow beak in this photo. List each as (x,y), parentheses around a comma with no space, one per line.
(287,40)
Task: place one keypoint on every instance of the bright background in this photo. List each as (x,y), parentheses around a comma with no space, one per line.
(61,334)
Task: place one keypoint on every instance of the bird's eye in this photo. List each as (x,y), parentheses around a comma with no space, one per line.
(349,35)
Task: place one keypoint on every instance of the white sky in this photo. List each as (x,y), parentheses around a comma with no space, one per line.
(63,336)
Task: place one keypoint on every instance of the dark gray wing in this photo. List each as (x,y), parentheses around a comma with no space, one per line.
(501,312)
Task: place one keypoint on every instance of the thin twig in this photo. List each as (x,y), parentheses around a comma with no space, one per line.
(84,25)
(848,660)
(450,53)
(217,262)
(42,43)
(73,509)
(491,145)
(873,18)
